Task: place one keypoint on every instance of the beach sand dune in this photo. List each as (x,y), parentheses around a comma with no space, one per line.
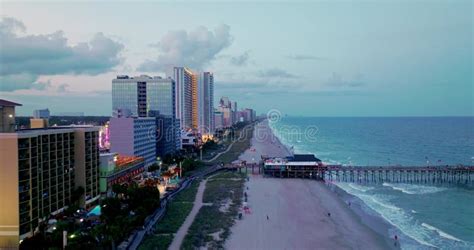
(297,211)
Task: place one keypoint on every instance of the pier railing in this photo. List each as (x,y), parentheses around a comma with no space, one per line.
(403,174)
(378,174)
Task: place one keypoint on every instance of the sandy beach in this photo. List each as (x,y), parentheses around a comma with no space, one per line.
(297,211)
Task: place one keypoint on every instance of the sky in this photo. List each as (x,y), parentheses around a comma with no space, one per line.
(337,58)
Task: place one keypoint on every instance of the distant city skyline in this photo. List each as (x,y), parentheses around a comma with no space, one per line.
(304,59)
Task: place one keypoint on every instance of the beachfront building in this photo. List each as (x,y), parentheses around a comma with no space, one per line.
(143,93)
(298,165)
(225,107)
(218,120)
(189,140)
(134,136)
(40,169)
(129,93)
(184,96)
(234,113)
(195,101)
(206,104)
(118,169)
(166,135)
(161,99)
(145,96)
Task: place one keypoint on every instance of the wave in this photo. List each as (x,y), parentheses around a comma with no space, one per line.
(397,217)
(383,204)
(360,188)
(440,232)
(414,189)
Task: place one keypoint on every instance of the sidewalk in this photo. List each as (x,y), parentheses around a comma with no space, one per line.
(183,230)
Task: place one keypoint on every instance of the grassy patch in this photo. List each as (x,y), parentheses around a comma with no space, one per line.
(238,147)
(157,242)
(176,213)
(220,189)
(189,194)
(227,175)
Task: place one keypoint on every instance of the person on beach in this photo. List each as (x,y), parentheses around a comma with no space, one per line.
(329,214)
(268,217)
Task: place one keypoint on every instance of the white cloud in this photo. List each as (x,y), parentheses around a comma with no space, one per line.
(193,49)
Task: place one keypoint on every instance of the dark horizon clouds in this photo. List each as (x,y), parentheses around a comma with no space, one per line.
(275,73)
(26,57)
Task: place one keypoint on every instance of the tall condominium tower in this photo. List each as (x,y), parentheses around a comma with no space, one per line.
(206,103)
(184,101)
(195,81)
(225,107)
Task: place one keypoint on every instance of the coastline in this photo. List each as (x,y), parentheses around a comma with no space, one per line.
(300,209)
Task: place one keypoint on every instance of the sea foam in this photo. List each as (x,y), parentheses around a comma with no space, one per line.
(440,232)
(414,189)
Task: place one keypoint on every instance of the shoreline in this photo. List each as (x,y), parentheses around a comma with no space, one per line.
(299,208)
(368,216)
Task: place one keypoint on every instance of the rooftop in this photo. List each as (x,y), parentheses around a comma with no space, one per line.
(8,103)
(303,157)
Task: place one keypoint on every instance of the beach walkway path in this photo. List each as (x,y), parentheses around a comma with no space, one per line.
(183,230)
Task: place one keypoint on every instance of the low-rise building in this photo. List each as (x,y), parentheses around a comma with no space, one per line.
(134,136)
(118,169)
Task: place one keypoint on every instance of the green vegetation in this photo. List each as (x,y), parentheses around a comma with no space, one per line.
(157,242)
(242,143)
(190,165)
(119,216)
(211,227)
(189,194)
(176,213)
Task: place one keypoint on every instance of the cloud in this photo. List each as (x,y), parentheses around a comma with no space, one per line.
(240,60)
(299,57)
(25,57)
(20,81)
(337,81)
(194,49)
(275,73)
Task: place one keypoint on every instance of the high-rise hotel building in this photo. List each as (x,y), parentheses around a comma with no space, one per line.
(195,93)
(206,103)
(184,96)
(39,171)
(146,96)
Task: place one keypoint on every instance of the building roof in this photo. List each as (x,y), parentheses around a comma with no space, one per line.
(8,103)
(304,157)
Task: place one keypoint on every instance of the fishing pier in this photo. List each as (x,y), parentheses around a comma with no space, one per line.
(310,167)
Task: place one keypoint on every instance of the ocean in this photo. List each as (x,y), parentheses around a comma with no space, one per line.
(425,216)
